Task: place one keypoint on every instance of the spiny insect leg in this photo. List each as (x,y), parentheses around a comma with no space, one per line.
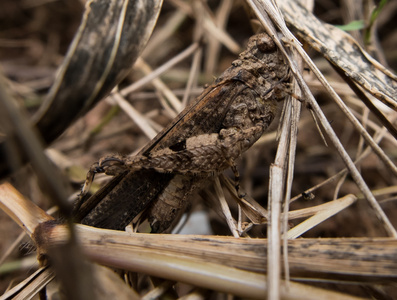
(94,169)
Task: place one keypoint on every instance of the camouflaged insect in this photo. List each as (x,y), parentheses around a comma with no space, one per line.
(202,141)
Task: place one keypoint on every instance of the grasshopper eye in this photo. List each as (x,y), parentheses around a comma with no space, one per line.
(265,44)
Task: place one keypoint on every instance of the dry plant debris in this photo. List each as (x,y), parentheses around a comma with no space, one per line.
(318,217)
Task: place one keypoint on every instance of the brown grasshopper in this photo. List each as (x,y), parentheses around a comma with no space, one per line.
(203,140)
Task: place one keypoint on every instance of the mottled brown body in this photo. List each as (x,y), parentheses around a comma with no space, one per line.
(207,137)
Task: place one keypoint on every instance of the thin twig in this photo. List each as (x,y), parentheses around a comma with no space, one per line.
(160,70)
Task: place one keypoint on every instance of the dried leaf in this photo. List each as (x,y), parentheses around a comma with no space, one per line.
(111,36)
(343,51)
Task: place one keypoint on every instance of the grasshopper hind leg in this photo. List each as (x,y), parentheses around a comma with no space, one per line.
(236,173)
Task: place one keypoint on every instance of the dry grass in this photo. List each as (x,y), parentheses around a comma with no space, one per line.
(339,244)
